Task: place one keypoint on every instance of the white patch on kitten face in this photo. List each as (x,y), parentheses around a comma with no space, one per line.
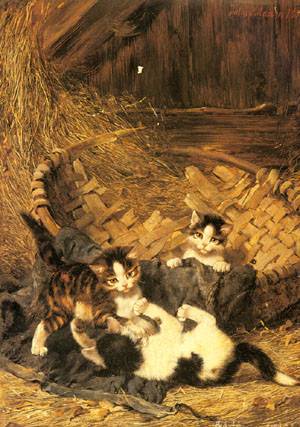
(123,281)
(129,293)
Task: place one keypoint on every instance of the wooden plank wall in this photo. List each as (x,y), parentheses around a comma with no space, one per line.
(209,52)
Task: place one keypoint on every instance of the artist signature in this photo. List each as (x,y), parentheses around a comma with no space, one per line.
(260,12)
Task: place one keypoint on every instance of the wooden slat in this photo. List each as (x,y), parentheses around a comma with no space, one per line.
(227,174)
(202,184)
(78,168)
(194,202)
(116,207)
(126,239)
(84,221)
(39,193)
(153,221)
(100,236)
(264,259)
(37,184)
(85,189)
(74,204)
(155,248)
(115,228)
(129,218)
(167,227)
(95,204)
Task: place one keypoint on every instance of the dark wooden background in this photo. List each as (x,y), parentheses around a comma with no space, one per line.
(194,52)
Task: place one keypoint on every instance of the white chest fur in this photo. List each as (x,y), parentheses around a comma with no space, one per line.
(126,302)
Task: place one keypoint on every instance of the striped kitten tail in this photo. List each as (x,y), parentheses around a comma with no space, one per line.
(251,354)
(44,241)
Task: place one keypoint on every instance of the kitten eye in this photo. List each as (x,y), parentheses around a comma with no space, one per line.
(198,235)
(112,281)
(215,240)
(132,273)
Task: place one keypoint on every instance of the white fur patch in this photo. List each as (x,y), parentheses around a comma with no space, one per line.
(119,270)
(208,232)
(174,262)
(125,303)
(208,341)
(284,379)
(38,342)
(162,350)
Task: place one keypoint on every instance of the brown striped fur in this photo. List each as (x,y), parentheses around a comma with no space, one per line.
(80,294)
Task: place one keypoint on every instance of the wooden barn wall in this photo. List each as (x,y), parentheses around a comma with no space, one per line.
(208,52)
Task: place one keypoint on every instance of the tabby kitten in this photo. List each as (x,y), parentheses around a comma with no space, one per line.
(206,242)
(85,295)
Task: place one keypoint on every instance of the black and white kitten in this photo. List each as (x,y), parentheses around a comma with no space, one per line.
(203,356)
(205,242)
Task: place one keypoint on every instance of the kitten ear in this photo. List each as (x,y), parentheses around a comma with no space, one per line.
(194,219)
(127,251)
(226,229)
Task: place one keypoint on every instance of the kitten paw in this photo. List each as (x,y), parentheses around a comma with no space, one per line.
(39,350)
(221,266)
(174,262)
(140,306)
(196,314)
(113,325)
(183,312)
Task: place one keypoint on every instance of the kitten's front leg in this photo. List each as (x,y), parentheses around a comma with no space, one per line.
(221,266)
(140,306)
(174,262)
(38,347)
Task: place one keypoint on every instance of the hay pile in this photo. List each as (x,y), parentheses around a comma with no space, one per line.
(40,111)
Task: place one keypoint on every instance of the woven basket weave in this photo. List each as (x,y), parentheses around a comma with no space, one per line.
(263,209)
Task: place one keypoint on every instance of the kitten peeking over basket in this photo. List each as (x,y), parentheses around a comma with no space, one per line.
(206,242)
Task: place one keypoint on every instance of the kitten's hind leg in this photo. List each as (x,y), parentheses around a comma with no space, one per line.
(92,355)
(187,311)
(84,317)
(38,341)
(89,351)
(78,328)
(52,323)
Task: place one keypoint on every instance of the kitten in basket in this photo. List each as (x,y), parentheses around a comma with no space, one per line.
(206,242)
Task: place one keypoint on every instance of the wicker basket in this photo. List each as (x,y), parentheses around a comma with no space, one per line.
(263,208)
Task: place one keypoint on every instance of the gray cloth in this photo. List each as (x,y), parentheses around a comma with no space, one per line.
(226,296)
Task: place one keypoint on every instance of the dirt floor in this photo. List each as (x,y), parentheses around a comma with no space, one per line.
(250,401)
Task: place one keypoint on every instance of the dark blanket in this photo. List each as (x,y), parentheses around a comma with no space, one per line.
(227,296)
